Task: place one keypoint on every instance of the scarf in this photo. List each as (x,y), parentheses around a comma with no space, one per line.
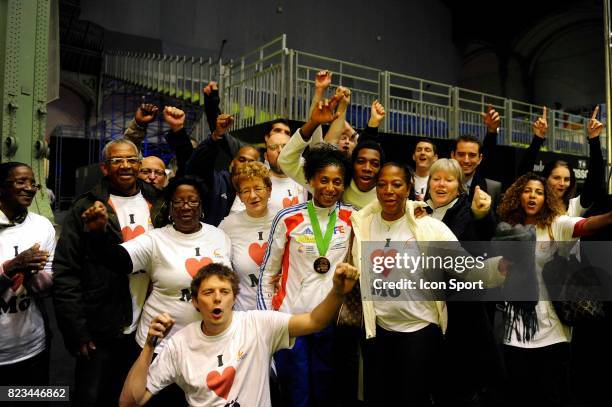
(521,279)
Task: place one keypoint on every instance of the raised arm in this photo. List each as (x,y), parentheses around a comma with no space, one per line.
(290,158)
(345,277)
(211,104)
(539,128)
(134,392)
(177,138)
(491,119)
(322,82)
(593,185)
(339,124)
(137,128)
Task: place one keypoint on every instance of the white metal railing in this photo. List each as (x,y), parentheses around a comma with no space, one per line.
(274,81)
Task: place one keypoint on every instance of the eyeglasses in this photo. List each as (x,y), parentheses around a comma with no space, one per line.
(116,161)
(148,171)
(181,204)
(275,147)
(247,191)
(22,183)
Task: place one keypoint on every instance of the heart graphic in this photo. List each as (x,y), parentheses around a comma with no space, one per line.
(221,384)
(257,252)
(129,233)
(194,265)
(290,202)
(381,253)
(17,281)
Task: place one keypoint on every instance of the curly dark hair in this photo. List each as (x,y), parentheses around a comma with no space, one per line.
(323,155)
(215,269)
(511,211)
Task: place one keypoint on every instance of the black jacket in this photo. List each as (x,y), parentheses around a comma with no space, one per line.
(462,223)
(92,301)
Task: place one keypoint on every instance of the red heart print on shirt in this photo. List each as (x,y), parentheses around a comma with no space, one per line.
(290,202)
(129,233)
(257,251)
(381,253)
(194,265)
(221,384)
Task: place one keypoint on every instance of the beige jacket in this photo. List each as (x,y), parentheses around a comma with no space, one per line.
(425,229)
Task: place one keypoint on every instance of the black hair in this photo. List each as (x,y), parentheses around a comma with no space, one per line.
(548,169)
(270,125)
(428,141)
(408,175)
(192,180)
(468,138)
(369,144)
(7,168)
(323,155)
(215,269)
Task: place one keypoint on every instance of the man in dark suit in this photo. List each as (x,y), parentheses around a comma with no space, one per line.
(469,152)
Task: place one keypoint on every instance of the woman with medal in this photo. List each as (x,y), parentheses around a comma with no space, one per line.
(306,242)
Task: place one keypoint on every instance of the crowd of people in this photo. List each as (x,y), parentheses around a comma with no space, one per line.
(213,287)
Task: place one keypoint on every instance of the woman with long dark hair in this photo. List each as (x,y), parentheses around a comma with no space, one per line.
(536,342)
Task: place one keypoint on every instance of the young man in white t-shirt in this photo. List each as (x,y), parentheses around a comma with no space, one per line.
(225,358)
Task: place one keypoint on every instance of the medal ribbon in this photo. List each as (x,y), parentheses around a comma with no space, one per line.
(322,242)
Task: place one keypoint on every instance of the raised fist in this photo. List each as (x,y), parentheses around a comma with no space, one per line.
(175,118)
(345,278)
(481,203)
(491,119)
(212,85)
(160,327)
(344,97)
(145,114)
(323,80)
(224,122)
(377,114)
(95,217)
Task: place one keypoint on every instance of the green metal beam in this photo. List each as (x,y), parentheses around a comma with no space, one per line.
(24,43)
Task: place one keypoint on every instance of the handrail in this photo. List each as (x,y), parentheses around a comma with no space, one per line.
(273,81)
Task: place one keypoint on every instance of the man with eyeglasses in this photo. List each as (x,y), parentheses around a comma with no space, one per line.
(98,309)
(153,171)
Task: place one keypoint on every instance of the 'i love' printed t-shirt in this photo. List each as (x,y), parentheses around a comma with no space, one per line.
(228,369)
(249,238)
(172,259)
(134,219)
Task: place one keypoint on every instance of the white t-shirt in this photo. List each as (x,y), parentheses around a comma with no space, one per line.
(22,329)
(249,238)
(172,259)
(285,193)
(399,315)
(232,367)
(134,218)
(550,329)
(420,187)
(574,208)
